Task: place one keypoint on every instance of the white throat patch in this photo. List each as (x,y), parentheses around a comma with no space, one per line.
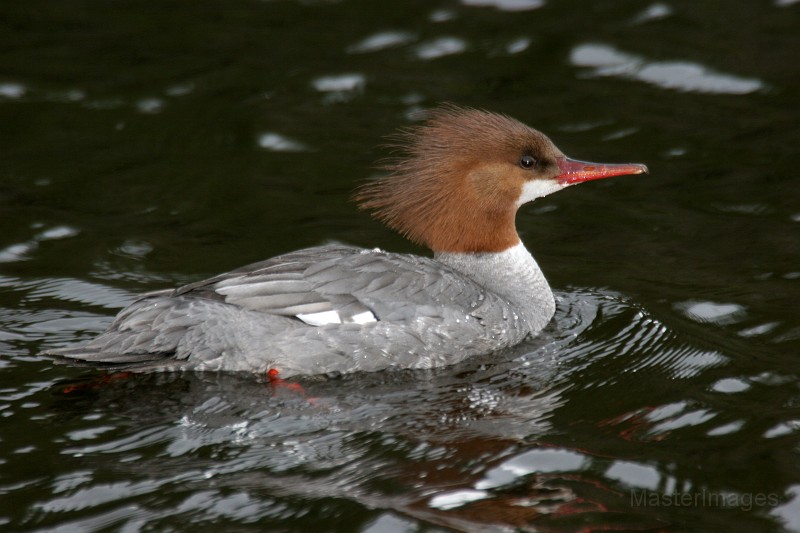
(534,189)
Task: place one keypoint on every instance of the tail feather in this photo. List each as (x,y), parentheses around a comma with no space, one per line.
(141,336)
(88,356)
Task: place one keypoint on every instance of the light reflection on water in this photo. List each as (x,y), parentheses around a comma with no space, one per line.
(680,75)
(450,438)
(164,149)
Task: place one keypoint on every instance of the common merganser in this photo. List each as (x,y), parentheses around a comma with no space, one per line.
(455,188)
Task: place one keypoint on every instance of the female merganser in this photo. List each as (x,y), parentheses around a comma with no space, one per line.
(455,188)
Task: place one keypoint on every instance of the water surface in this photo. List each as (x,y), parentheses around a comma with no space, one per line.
(148,147)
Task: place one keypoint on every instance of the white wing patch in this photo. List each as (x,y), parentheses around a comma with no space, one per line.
(320,319)
(332,317)
(365,317)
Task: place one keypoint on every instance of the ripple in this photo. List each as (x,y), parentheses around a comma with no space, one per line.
(442,15)
(655,11)
(530,462)
(381,41)
(619,134)
(17,252)
(635,474)
(74,290)
(97,495)
(678,151)
(506,5)
(88,433)
(12,90)
(631,339)
(71,480)
(605,60)
(340,83)
(14,395)
(711,312)
(276,142)
(694,417)
(134,248)
(179,89)
(22,251)
(726,429)
(787,336)
(70,95)
(773,379)
(782,428)
(443,46)
(789,512)
(213,505)
(457,498)
(57,232)
(105,104)
(518,45)
(744,209)
(150,106)
(237,433)
(388,523)
(340,88)
(730,385)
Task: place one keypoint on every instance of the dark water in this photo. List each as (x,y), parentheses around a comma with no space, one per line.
(150,144)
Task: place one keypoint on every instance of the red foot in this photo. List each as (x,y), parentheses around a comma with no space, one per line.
(276,382)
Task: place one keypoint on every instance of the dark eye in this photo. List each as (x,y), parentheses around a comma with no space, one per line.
(527,161)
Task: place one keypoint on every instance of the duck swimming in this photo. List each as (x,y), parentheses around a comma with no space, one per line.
(455,188)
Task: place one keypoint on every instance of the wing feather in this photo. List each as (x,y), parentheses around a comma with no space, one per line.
(355,284)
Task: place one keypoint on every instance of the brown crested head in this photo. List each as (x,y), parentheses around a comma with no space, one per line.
(458,179)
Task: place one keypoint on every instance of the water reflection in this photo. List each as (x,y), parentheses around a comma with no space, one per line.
(182,149)
(23,250)
(606,60)
(341,87)
(12,90)
(652,12)
(447,440)
(440,47)
(280,143)
(381,41)
(713,312)
(468,447)
(506,5)
(150,105)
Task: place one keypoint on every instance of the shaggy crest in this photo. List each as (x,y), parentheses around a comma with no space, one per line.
(456,179)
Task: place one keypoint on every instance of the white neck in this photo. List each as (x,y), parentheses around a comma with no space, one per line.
(512,274)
